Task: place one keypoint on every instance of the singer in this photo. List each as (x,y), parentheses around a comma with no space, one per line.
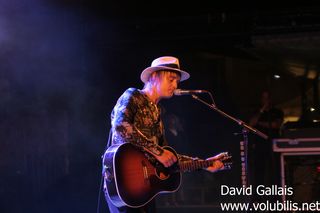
(136,119)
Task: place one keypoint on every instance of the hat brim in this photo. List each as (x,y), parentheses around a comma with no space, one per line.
(147,72)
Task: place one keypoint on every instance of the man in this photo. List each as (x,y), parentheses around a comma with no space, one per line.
(263,162)
(136,118)
(268,118)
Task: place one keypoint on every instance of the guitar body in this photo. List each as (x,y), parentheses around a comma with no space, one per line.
(132,180)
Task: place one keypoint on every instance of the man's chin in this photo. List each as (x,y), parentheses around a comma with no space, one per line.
(168,96)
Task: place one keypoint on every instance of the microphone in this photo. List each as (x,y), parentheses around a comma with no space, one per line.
(188,92)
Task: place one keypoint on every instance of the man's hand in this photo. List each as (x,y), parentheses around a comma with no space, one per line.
(218,164)
(167,158)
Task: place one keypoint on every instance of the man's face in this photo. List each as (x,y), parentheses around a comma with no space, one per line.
(266,99)
(168,82)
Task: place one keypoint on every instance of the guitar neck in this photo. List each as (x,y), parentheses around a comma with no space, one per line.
(187,166)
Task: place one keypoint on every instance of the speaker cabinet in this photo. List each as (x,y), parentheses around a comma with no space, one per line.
(301,170)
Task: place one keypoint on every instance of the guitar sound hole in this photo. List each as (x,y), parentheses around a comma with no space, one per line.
(162,172)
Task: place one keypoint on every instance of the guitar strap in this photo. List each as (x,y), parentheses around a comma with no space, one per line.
(109,139)
(105,149)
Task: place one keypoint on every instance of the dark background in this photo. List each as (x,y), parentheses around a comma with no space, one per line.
(63,64)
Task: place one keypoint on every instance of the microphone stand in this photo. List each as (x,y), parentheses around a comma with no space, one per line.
(243,144)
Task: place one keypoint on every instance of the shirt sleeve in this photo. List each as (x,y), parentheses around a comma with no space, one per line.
(123,125)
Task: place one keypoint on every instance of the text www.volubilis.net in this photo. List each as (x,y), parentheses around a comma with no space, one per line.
(271,206)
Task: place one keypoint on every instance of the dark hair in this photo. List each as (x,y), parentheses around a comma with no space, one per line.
(160,72)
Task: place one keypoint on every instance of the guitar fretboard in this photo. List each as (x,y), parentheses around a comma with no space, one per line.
(188,166)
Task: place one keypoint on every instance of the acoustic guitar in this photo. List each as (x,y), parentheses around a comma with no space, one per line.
(132,179)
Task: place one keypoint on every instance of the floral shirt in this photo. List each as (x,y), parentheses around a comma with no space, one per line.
(136,119)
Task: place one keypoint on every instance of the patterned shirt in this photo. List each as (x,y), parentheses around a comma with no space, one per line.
(136,119)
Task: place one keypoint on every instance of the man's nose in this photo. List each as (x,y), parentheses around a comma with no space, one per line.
(175,85)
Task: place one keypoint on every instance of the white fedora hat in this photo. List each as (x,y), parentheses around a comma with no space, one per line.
(164,63)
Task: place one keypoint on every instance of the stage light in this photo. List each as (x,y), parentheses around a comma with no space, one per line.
(276,76)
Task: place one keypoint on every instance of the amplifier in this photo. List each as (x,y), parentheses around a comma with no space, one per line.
(296,144)
(300,170)
(299,164)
